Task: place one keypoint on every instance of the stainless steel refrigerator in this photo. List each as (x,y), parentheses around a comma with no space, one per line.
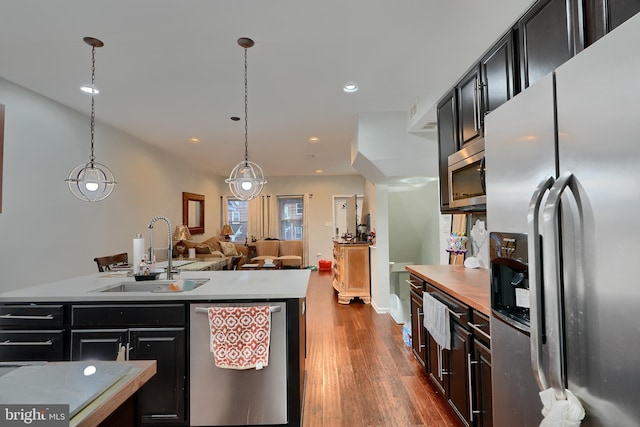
(563,177)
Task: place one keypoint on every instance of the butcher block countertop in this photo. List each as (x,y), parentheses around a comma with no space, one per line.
(468,285)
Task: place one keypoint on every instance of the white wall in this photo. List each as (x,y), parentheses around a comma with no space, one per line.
(320,211)
(46,233)
(413,225)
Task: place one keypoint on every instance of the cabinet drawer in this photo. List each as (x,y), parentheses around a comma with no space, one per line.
(31,316)
(32,345)
(479,325)
(128,315)
(416,285)
(460,313)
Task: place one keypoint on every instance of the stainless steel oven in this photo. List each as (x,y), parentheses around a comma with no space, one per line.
(466,177)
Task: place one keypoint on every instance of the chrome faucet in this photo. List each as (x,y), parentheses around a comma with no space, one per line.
(169,243)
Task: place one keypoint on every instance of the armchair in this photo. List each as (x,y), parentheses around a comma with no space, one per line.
(291,253)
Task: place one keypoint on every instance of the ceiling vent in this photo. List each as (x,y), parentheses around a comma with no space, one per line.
(413,109)
(429,126)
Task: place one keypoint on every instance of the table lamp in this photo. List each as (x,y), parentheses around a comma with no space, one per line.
(180,235)
(226,231)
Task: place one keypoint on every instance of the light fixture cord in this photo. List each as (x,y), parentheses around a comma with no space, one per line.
(246,104)
(93,107)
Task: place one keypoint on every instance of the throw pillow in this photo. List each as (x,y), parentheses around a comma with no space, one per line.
(228,248)
(202,249)
(213,243)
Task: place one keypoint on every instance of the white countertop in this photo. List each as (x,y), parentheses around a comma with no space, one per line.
(259,284)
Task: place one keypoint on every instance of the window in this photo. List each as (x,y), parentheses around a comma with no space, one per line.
(238,219)
(291,211)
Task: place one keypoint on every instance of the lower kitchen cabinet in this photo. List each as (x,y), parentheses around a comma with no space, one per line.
(463,373)
(148,332)
(459,375)
(480,365)
(33,332)
(481,361)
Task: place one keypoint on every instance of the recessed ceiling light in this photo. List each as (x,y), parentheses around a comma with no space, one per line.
(194,140)
(319,171)
(90,89)
(314,139)
(350,87)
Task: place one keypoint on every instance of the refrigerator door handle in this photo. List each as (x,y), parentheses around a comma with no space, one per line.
(535,285)
(552,283)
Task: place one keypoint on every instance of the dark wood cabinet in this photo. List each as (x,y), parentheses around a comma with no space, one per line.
(469,106)
(33,332)
(449,369)
(163,397)
(480,370)
(437,365)
(447,143)
(603,16)
(549,34)
(497,75)
(482,405)
(97,344)
(459,375)
(463,373)
(148,332)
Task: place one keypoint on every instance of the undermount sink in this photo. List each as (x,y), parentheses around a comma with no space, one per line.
(150,286)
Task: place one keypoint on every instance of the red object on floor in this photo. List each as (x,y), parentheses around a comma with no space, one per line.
(324,265)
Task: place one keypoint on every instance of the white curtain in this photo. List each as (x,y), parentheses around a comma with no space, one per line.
(263,216)
(224,218)
(306,207)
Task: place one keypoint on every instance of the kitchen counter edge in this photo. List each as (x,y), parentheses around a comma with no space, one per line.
(222,285)
(469,285)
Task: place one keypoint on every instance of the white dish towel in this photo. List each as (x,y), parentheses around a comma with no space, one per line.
(436,320)
(560,413)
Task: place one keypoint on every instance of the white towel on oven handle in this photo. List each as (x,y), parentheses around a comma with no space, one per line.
(436,320)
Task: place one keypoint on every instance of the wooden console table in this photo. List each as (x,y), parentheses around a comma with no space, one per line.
(351,276)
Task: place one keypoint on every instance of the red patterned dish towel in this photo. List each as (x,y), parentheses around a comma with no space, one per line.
(240,336)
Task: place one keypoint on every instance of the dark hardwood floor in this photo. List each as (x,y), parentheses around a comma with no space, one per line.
(359,371)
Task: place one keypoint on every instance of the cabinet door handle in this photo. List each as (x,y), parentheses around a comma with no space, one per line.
(453,313)
(470,385)
(161,417)
(25,317)
(476,105)
(414,286)
(10,343)
(440,368)
(476,328)
(420,314)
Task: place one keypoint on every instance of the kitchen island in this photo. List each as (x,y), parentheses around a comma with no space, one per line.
(76,319)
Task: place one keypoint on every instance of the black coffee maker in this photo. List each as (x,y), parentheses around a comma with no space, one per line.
(362,233)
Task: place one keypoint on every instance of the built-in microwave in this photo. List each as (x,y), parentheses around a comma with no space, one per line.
(466,177)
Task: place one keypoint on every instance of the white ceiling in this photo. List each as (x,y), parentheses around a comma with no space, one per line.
(171,70)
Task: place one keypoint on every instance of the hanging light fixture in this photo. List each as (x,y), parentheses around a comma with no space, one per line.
(91,181)
(246,179)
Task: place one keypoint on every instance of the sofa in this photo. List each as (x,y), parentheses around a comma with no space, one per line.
(214,248)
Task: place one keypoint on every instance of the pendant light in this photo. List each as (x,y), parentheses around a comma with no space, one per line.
(246,179)
(92,181)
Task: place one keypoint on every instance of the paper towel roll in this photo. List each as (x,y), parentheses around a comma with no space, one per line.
(192,252)
(138,250)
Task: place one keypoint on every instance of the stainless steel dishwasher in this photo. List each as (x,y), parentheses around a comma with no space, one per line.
(237,397)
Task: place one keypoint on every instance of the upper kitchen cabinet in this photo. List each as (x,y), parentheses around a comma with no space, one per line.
(447,143)
(549,34)
(469,106)
(497,75)
(603,16)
